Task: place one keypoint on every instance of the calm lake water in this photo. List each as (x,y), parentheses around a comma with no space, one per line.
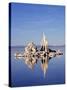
(22,75)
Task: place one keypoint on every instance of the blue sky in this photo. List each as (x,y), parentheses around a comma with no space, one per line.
(29,21)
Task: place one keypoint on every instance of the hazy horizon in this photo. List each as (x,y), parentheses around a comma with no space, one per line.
(38,45)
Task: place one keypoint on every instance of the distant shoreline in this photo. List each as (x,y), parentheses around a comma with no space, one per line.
(40,46)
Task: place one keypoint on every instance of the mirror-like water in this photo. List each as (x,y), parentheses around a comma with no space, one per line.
(37,71)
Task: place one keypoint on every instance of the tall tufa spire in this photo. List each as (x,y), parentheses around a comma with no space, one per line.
(43,41)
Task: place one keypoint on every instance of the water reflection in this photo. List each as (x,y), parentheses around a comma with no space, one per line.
(30,61)
(44,64)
